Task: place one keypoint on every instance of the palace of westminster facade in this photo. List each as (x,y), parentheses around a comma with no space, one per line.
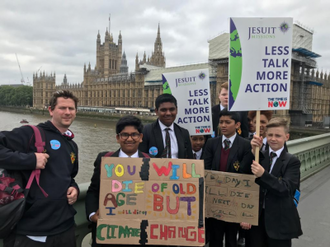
(110,84)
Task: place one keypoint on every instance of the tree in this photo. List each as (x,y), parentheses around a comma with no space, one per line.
(16,96)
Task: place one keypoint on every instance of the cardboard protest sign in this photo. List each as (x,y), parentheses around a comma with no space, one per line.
(260,63)
(192,91)
(231,197)
(151,202)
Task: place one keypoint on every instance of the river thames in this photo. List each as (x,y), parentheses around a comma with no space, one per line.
(91,135)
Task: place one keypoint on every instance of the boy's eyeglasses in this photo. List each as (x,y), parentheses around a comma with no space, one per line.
(124,136)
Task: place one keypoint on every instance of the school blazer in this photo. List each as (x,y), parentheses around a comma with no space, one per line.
(277,189)
(152,137)
(239,159)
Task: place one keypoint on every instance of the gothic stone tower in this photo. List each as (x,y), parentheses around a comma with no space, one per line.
(108,55)
(158,58)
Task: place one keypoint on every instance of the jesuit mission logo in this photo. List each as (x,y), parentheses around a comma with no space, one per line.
(262,32)
(277,102)
(202,75)
(284,27)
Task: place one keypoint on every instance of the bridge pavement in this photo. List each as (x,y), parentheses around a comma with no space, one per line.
(314,210)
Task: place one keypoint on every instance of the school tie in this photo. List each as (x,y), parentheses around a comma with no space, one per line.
(227,144)
(195,156)
(272,155)
(167,150)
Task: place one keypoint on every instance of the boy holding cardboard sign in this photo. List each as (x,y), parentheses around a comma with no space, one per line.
(129,136)
(227,153)
(278,175)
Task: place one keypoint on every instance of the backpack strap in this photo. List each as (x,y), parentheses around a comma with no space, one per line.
(40,145)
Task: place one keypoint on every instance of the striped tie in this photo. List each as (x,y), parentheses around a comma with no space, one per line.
(167,150)
(227,144)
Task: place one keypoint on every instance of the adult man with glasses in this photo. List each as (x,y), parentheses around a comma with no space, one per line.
(164,138)
(129,136)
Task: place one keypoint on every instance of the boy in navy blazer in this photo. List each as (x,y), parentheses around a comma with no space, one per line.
(278,174)
(129,135)
(227,153)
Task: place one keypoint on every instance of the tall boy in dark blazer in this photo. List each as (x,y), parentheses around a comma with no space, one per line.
(227,153)
(223,98)
(278,175)
(155,135)
(129,135)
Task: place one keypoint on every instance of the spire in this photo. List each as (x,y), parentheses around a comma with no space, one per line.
(107,36)
(65,81)
(119,38)
(157,58)
(123,66)
(109,22)
(158,43)
(98,35)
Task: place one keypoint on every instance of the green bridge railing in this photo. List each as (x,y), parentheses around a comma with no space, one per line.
(313,153)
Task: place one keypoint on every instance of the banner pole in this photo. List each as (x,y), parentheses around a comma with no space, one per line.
(256,152)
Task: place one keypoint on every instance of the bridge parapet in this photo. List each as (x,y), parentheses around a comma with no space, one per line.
(313,153)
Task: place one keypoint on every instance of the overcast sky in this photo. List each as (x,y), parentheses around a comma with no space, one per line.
(61,35)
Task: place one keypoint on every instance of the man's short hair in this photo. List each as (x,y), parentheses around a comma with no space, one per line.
(278,122)
(129,120)
(232,114)
(223,85)
(163,98)
(267,114)
(66,94)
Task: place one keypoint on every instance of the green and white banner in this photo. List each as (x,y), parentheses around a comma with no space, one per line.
(192,91)
(260,63)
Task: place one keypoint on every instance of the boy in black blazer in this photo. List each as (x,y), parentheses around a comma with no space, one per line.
(223,98)
(155,142)
(278,175)
(129,135)
(197,144)
(227,153)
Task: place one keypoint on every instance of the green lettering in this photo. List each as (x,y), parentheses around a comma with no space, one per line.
(99,230)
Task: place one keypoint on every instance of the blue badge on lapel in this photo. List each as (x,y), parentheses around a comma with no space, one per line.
(153,151)
(55,144)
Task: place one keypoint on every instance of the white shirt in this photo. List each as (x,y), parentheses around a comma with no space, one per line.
(221,107)
(231,139)
(264,141)
(174,142)
(198,154)
(278,154)
(123,155)
(251,134)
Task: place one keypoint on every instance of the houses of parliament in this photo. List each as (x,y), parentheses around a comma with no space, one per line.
(110,84)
